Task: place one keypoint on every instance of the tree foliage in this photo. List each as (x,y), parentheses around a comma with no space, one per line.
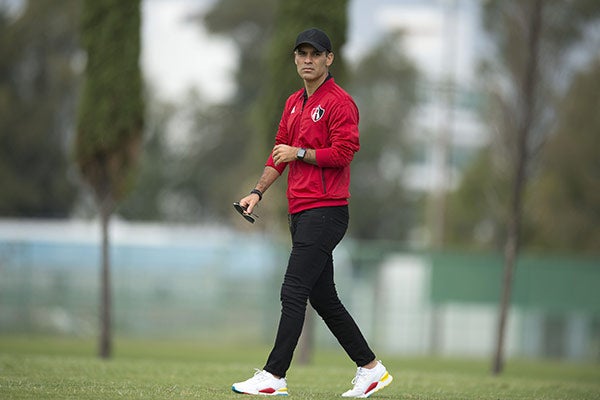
(38,84)
(111,110)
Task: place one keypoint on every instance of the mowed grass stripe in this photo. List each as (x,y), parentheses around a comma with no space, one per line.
(63,369)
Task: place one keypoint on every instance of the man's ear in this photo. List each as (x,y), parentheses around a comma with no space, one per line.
(329,60)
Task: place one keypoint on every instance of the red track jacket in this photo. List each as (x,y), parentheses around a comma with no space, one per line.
(328,123)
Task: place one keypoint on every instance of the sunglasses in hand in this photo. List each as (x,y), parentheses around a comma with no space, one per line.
(250,217)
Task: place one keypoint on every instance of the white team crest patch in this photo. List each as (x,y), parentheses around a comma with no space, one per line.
(317,113)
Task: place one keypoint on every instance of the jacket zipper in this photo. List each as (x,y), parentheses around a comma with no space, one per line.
(322,171)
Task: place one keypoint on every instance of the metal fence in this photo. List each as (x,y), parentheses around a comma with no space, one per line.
(223,285)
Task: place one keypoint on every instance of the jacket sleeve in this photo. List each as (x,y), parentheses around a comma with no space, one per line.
(281,137)
(343,135)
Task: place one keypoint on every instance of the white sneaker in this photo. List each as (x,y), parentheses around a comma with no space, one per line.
(368,381)
(263,383)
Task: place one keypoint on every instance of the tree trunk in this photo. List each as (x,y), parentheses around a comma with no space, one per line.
(511,249)
(105,341)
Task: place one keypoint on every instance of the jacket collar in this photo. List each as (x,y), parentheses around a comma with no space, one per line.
(305,95)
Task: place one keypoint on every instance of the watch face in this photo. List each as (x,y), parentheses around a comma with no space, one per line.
(301,154)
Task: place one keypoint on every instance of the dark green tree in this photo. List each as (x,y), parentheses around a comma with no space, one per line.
(110,120)
(39,78)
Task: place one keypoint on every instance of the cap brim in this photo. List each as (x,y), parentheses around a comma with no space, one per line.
(313,44)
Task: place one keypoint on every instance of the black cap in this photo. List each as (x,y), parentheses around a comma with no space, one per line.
(315,37)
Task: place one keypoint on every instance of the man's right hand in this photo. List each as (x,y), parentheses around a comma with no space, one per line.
(249,202)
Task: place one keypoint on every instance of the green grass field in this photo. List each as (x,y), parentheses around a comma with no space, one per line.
(52,368)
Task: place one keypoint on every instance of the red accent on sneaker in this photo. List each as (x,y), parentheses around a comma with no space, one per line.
(267,390)
(371,387)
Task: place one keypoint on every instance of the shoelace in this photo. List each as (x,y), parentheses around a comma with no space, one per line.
(260,375)
(360,373)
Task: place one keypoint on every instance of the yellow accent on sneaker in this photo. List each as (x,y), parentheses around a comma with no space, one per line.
(366,382)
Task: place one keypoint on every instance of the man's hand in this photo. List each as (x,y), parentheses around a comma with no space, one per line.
(282,153)
(249,202)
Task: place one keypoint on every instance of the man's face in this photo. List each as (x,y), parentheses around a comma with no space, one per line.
(311,63)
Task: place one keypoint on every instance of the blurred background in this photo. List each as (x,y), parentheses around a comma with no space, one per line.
(440,87)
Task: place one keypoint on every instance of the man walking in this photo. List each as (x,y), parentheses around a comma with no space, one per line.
(317,138)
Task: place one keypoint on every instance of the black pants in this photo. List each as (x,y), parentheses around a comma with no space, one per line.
(309,276)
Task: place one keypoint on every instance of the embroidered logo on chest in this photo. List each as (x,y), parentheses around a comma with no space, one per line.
(317,113)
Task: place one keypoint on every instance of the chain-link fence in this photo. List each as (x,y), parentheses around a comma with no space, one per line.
(211,284)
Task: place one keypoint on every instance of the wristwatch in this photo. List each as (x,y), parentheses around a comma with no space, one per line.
(300,154)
